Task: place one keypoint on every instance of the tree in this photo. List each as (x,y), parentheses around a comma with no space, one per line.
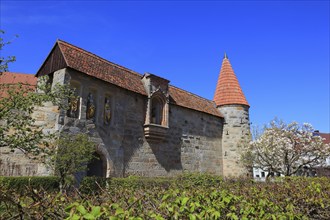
(286,149)
(17,103)
(18,130)
(72,155)
(17,125)
(5,61)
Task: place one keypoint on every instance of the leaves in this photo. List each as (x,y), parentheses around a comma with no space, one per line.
(18,113)
(140,198)
(4,61)
(66,160)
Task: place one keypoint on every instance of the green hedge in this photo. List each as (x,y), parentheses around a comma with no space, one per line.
(20,184)
(184,197)
(96,184)
(92,184)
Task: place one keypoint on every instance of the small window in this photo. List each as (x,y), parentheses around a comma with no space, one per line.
(262,174)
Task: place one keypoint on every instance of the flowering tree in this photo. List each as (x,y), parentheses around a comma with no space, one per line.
(286,149)
(4,61)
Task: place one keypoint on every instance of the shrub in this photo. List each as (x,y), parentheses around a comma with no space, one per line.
(19,184)
(92,184)
(190,196)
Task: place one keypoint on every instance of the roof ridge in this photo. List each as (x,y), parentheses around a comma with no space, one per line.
(198,96)
(99,58)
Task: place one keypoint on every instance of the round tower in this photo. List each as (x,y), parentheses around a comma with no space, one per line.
(232,104)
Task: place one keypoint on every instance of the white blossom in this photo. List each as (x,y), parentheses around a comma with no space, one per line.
(286,149)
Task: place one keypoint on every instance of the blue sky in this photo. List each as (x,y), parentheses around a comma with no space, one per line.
(279,50)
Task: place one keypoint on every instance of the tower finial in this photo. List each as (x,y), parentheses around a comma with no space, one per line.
(225,57)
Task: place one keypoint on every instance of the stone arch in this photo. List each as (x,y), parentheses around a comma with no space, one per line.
(108,162)
(97,166)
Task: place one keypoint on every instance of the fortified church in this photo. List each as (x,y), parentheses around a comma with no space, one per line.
(141,124)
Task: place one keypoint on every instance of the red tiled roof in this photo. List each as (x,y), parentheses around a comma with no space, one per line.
(28,81)
(326,136)
(186,99)
(98,67)
(64,55)
(228,90)
(15,78)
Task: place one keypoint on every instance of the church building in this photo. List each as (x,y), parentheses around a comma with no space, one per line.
(141,124)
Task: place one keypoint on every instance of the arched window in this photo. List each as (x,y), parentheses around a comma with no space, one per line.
(157,111)
(156,125)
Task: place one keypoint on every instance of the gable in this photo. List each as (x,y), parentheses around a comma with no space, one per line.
(55,61)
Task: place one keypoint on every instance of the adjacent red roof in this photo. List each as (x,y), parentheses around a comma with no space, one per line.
(228,90)
(192,101)
(326,136)
(65,55)
(9,78)
(15,78)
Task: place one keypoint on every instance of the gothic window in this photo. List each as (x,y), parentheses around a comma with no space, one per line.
(157,106)
(156,123)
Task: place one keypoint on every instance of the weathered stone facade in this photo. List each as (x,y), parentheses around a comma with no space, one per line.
(236,133)
(145,127)
(192,141)
(15,163)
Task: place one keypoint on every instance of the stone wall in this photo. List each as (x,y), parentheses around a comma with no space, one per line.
(192,142)
(236,132)
(16,163)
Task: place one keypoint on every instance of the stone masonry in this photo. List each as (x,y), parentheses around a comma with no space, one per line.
(140,124)
(236,132)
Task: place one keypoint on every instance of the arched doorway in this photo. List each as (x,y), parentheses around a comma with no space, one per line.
(97,167)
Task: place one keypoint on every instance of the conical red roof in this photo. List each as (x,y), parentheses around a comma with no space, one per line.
(228,90)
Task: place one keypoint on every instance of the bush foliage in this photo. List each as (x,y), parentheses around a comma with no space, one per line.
(19,184)
(184,197)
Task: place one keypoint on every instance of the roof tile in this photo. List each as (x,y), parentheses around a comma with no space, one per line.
(93,65)
(228,90)
(28,81)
